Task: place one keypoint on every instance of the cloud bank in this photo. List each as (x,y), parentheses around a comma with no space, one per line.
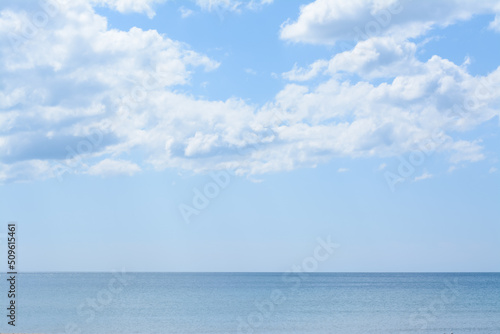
(79,97)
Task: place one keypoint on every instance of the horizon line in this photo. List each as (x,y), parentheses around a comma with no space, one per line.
(260,272)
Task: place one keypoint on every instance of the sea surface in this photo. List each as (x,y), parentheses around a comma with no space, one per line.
(341,303)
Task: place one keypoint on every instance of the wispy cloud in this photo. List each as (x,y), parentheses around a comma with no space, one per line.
(109,167)
(127,6)
(232,5)
(250,71)
(424,176)
(185,12)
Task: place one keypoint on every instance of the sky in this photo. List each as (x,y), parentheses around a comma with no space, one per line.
(224,135)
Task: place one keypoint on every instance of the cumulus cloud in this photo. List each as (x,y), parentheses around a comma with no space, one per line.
(330,21)
(76,74)
(304,74)
(417,98)
(378,57)
(79,97)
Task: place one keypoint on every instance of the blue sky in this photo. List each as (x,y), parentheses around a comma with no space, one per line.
(373,122)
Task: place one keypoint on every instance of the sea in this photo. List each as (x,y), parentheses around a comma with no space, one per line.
(344,303)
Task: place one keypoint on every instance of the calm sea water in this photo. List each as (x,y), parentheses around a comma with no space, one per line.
(255,303)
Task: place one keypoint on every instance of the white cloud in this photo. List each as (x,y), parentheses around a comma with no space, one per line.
(23,171)
(128,6)
(466,151)
(495,24)
(302,74)
(258,4)
(343,170)
(493,170)
(424,176)
(377,57)
(211,5)
(374,58)
(231,5)
(185,12)
(200,143)
(79,93)
(329,21)
(109,167)
(250,71)
(382,166)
